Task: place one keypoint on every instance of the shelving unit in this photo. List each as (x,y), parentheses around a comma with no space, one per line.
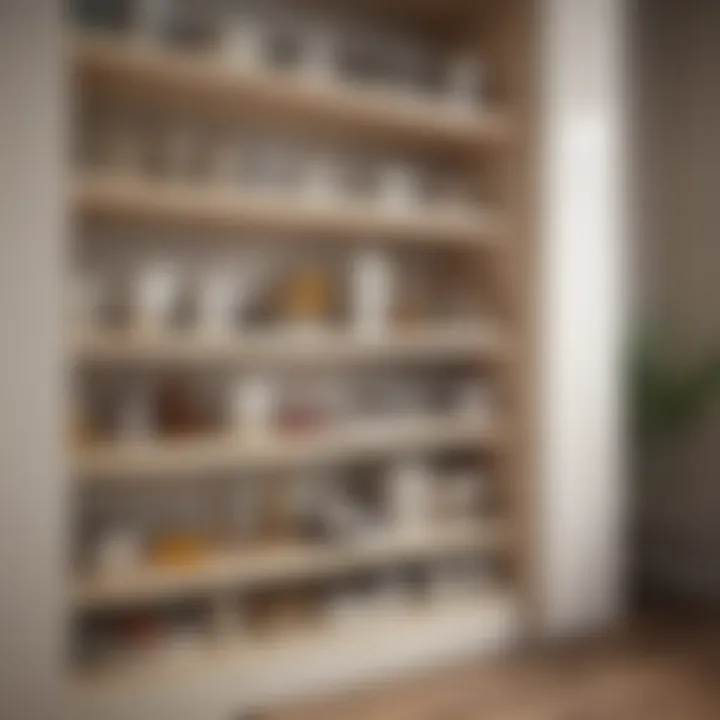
(495,138)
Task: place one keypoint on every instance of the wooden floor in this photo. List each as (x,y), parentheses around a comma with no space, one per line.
(661,669)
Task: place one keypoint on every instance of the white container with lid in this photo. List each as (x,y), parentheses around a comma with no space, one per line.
(253,403)
(318,50)
(155,295)
(218,299)
(243,39)
(372,293)
(118,551)
(465,83)
(409,496)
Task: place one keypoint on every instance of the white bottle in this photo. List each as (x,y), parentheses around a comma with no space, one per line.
(400,188)
(217,301)
(372,293)
(152,19)
(253,402)
(409,496)
(464,83)
(318,53)
(135,418)
(243,41)
(320,186)
(156,291)
(117,552)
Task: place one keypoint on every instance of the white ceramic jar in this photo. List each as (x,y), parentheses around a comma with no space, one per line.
(218,298)
(155,295)
(409,489)
(318,61)
(242,40)
(117,552)
(464,83)
(372,293)
(253,404)
(399,188)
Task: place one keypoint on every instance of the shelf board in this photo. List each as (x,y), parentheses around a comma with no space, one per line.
(203,81)
(450,342)
(114,196)
(253,567)
(144,461)
(259,671)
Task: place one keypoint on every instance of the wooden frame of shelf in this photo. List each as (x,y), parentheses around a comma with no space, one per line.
(115,461)
(130,199)
(117,63)
(245,568)
(199,81)
(416,344)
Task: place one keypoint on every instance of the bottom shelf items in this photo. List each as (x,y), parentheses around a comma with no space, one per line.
(275,592)
(267,666)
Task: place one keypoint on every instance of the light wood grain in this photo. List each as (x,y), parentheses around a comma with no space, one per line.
(245,568)
(421,344)
(128,461)
(201,80)
(175,203)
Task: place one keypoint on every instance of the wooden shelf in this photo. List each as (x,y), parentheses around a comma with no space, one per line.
(211,678)
(173,458)
(127,199)
(446,342)
(252,568)
(231,669)
(204,82)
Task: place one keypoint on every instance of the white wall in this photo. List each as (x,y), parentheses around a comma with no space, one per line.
(581,319)
(31,252)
